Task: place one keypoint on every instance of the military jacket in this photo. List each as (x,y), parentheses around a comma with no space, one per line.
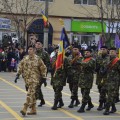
(101,64)
(113,74)
(32,69)
(86,75)
(44,56)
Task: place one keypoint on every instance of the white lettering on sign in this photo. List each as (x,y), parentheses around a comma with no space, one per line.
(89,26)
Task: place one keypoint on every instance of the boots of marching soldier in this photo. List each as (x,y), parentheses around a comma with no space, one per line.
(33,110)
(113,109)
(82,108)
(61,104)
(24,110)
(71,104)
(77,102)
(107,109)
(41,103)
(100,107)
(54,107)
(90,105)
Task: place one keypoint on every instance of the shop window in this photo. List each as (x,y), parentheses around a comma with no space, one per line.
(44,0)
(85,2)
(110,2)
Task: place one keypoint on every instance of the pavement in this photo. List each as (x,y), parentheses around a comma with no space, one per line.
(12,98)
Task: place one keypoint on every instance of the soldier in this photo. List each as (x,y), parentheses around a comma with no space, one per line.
(46,59)
(73,72)
(32,69)
(86,80)
(101,61)
(57,81)
(113,79)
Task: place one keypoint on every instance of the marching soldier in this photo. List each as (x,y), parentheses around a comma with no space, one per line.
(72,68)
(86,80)
(113,79)
(57,81)
(101,62)
(46,59)
(32,69)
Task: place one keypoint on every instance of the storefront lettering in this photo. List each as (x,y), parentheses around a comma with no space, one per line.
(89,26)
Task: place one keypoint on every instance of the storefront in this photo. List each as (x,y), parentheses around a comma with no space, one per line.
(85,32)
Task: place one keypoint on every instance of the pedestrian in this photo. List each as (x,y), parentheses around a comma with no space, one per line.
(46,59)
(101,63)
(113,80)
(86,80)
(33,70)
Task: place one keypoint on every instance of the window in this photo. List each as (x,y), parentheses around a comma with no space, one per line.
(110,2)
(44,0)
(85,2)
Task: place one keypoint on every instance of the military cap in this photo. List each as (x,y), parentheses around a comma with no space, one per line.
(88,50)
(112,48)
(76,46)
(104,47)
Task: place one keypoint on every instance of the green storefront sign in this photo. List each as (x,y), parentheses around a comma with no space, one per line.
(87,26)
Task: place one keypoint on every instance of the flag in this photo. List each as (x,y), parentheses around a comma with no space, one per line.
(64,43)
(100,43)
(117,41)
(45,20)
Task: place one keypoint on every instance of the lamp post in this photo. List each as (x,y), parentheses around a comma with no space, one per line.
(45,42)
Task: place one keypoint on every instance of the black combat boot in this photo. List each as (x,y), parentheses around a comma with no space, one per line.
(77,102)
(71,104)
(90,105)
(107,108)
(113,109)
(100,107)
(61,104)
(54,107)
(81,110)
(41,103)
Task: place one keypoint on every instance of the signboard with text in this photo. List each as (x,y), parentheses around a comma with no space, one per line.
(5,23)
(87,26)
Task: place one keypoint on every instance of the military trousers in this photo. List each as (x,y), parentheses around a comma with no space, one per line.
(103,93)
(85,95)
(74,90)
(57,92)
(39,94)
(31,99)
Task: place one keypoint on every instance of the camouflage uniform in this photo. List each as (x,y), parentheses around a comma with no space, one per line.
(113,79)
(73,70)
(32,69)
(45,57)
(58,80)
(101,78)
(86,82)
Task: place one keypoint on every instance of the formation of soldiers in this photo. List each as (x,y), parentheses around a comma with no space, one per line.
(78,71)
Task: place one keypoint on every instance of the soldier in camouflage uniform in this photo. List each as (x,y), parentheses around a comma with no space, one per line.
(113,79)
(32,69)
(86,80)
(72,68)
(46,59)
(57,81)
(101,62)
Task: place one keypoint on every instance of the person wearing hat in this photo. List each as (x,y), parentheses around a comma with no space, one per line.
(46,59)
(101,62)
(113,80)
(73,71)
(32,68)
(86,80)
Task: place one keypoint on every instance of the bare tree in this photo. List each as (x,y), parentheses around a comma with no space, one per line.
(22,12)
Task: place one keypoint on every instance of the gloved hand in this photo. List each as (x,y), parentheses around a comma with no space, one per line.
(44,82)
(17,77)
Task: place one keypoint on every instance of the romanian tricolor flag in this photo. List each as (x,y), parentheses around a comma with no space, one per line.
(45,20)
(64,43)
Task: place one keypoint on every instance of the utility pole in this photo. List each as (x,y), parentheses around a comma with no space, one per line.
(45,42)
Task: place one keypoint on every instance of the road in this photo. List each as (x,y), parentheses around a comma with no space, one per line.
(12,97)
